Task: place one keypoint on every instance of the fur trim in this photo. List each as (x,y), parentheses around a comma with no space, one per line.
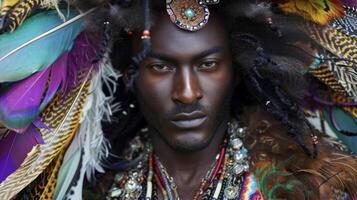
(284,171)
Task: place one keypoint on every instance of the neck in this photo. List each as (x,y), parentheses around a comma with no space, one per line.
(188,168)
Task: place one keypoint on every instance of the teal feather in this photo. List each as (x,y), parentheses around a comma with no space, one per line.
(66,174)
(346,122)
(287,187)
(18,61)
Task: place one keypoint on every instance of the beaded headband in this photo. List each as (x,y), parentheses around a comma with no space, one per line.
(190,15)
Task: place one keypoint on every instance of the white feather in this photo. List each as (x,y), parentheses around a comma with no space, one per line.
(97,107)
(53,4)
(95,145)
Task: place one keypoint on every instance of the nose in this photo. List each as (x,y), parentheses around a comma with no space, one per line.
(186,88)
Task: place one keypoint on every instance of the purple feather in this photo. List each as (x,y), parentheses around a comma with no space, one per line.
(14,149)
(19,105)
(27,98)
(58,76)
(85,50)
(351,3)
(22,104)
(24,101)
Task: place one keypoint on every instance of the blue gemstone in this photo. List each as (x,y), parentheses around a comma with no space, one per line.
(189,13)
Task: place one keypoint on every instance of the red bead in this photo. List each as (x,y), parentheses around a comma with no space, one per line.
(146,34)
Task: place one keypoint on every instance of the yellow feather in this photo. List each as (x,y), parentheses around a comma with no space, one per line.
(43,187)
(335,41)
(341,99)
(51,181)
(342,46)
(62,117)
(16,14)
(8,3)
(319,11)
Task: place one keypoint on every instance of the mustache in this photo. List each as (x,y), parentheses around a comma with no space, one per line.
(187,108)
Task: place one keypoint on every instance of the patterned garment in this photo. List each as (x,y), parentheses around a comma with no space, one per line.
(250,190)
(242,188)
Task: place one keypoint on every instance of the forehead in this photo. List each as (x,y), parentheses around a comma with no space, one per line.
(167,38)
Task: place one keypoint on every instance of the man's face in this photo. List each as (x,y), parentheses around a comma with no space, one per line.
(185,85)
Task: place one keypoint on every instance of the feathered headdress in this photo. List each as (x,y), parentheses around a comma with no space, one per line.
(54,69)
(51,97)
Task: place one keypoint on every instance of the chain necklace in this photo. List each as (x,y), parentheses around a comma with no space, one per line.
(224,180)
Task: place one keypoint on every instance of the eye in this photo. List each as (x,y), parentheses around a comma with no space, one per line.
(161,68)
(208,65)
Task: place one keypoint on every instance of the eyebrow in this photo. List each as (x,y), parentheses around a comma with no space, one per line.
(201,55)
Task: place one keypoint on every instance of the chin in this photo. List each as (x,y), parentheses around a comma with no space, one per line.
(189,142)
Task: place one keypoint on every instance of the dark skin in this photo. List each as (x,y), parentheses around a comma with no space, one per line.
(184,90)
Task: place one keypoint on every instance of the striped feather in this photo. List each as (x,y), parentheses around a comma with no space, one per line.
(340,52)
(51,180)
(62,117)
(324,74)
(43,187)
(347,24)
(336,42)
(93,144)
(14,16)
(5,5)
(318,11)
(341,99)
(8,3)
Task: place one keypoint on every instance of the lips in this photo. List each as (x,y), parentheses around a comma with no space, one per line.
(189,120)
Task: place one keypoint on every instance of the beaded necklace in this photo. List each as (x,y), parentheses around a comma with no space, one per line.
(224,179)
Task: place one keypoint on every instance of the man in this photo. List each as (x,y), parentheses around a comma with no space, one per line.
(189,90)
(214,99)
(184,90)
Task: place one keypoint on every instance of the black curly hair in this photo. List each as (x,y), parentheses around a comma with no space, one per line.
(263,54)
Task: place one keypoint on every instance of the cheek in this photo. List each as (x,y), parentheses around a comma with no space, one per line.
(218,87)
(153,92)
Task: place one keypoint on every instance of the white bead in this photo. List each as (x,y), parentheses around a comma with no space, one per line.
(236,143)
(218,190)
